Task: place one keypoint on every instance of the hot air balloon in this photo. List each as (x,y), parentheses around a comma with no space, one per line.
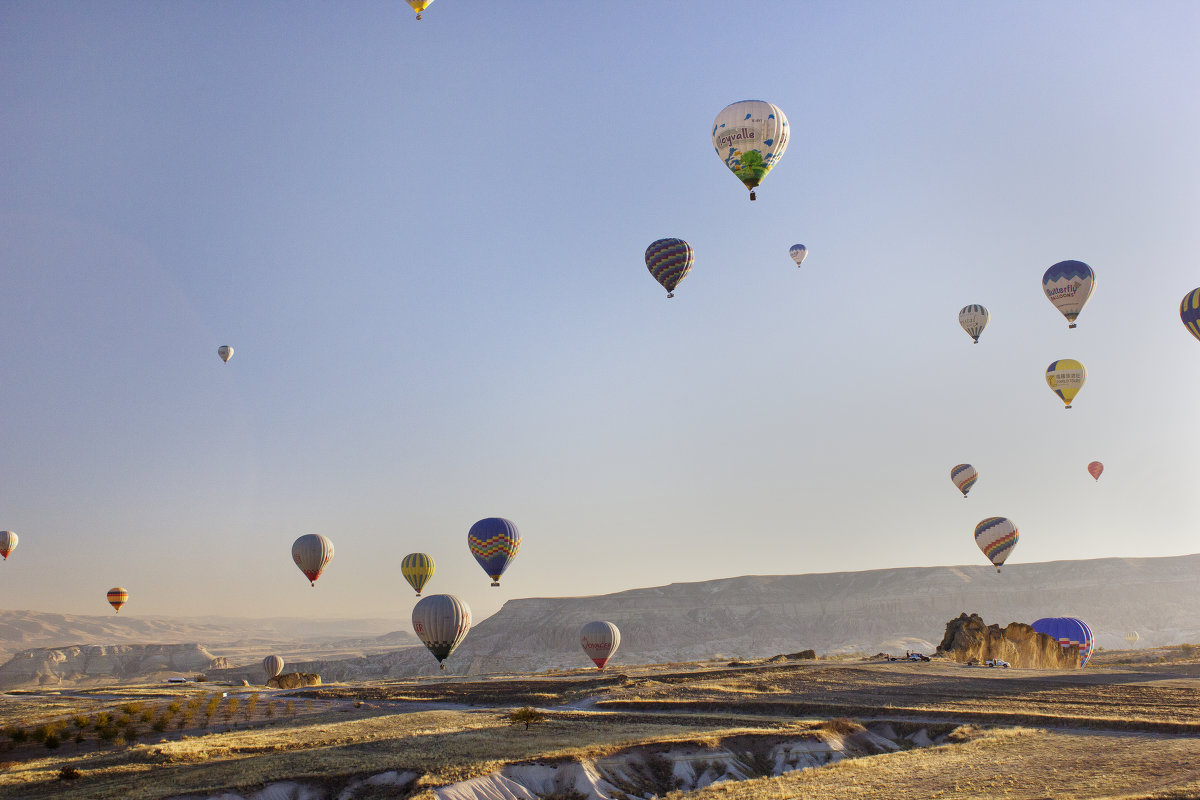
(798,252)
(1132,637)
(312,552)
(964,477)
(417,569)
(1189,312)
(8,543)
(669,261)
(1069,631)
(441,621)
(225,352)
(272,665)
(996,537)
(600,640)
(494,542)
(1068,285)
(1095,468)
(1066,377)
(750,136)
(419,6)
(973,319)
(117,597)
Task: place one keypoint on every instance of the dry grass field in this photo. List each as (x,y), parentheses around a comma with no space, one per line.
(1126,728)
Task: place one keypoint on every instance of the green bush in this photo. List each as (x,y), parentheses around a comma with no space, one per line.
(68,773)
(528,715)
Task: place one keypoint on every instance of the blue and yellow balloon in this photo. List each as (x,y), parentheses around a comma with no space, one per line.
(1189,312)
(494,542)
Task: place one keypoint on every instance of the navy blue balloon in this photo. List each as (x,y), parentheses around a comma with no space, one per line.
(494,542)
(1069,631)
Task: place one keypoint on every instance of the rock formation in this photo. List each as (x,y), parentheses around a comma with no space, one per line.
(294,680)
(81,665)
(969,638)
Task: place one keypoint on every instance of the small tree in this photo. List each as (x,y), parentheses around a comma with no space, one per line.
(251,702)
(528,715)
(231,707)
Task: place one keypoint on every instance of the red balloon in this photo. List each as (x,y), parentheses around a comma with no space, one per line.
(1095,468)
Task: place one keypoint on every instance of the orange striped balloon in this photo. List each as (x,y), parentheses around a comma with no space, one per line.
(117,597)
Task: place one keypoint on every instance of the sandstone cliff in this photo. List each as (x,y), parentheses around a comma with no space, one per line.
(86,664)
(969,638)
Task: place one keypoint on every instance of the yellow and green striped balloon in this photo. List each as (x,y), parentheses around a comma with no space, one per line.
(1189,312)
(417,569)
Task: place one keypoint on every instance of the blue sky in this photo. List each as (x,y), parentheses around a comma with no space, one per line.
(425,242)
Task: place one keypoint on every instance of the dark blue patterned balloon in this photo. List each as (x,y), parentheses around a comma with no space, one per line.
(669,261)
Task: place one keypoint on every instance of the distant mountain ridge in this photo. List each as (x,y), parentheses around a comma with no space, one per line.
(27,630)
(757,616)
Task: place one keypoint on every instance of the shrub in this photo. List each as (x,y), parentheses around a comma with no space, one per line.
(842,725)
(107,734)
(81,721)
(147,715)
(1187,650)
(52,741)
(199,679)
(18,735)
(68,773)
(129,709)
(102,720)
(159,725)
(527,715)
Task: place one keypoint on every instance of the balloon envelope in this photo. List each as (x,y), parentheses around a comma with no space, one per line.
(996,537)
(1095,468)
(973,319)
(494,542)
(225,352)
(964,477)
(750,136)
(441,622)
(600,640)
(272,665)
(419,6)
(312,552)
(1069,631)
(669,261)
(798,252)
(8,543)
(1189,312)
(1066,377)
(1132,637)
(417,569)
(1068,285)
(117,597)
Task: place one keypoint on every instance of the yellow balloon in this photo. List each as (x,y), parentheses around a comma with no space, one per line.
(1066,377)
(417,569)
(419,6)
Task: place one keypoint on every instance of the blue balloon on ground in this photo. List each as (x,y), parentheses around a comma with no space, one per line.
(1069,631)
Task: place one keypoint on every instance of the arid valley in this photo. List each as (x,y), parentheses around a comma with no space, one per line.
(1128,726)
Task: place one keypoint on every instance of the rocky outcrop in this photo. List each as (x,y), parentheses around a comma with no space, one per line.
(71,666)
(968,638)
(294,680)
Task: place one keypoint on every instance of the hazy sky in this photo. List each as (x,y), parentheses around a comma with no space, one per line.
(425,242)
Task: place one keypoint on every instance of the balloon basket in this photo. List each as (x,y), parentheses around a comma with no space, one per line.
(495,583)
(1072,325)
(670,295)
(443,666)
(752,197)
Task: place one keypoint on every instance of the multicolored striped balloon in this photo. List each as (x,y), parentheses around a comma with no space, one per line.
(117,597)
(669,261)
(1095,468)
(973,319)
(1066,377)
(494,542)
(1189,312)
(964,477)
(417,569)
(441,622)
(750,136)
(996,537)
(1069,631)
(1069,285)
